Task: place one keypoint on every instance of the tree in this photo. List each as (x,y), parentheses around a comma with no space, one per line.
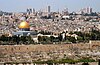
(80,39)
(49,62)
(3,38)
(85,63)
(23,39)
(51,38)
(40,38)
(60,37)
(71,39)
(15,38)
(29,40)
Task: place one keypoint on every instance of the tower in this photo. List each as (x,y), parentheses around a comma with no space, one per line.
(48,9)
(89,10)
(29,10)
(33,11)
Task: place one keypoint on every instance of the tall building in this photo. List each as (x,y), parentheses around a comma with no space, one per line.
(48,9)
(91,10)
(33,11)
(29,10)
(87,10)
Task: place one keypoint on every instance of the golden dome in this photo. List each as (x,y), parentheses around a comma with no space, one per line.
(24,25)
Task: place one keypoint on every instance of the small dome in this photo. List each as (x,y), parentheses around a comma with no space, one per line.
(24,25)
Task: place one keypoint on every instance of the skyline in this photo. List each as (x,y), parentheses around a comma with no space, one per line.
(22,5)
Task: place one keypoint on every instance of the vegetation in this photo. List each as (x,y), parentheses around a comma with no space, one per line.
(81,37)
(85,64)
(86,60)
(60,61)
(65,60)
(16,40)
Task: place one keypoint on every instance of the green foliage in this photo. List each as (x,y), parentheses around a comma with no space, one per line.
(70,61)
(62,61)
(85,37)
(82,37)
(4,38)
(71,39)
(45,32)
(85,64)
(95,35)
(16,40)
(29,40)
(40,38)
(44,39)
(50,62)
(51,38)
(39,62)
(86,60)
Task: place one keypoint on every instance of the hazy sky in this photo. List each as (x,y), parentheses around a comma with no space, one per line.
(72,5)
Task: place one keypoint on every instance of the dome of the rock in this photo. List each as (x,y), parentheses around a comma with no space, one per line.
(24,25)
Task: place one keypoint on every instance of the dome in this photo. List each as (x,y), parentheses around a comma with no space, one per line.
(24,25)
